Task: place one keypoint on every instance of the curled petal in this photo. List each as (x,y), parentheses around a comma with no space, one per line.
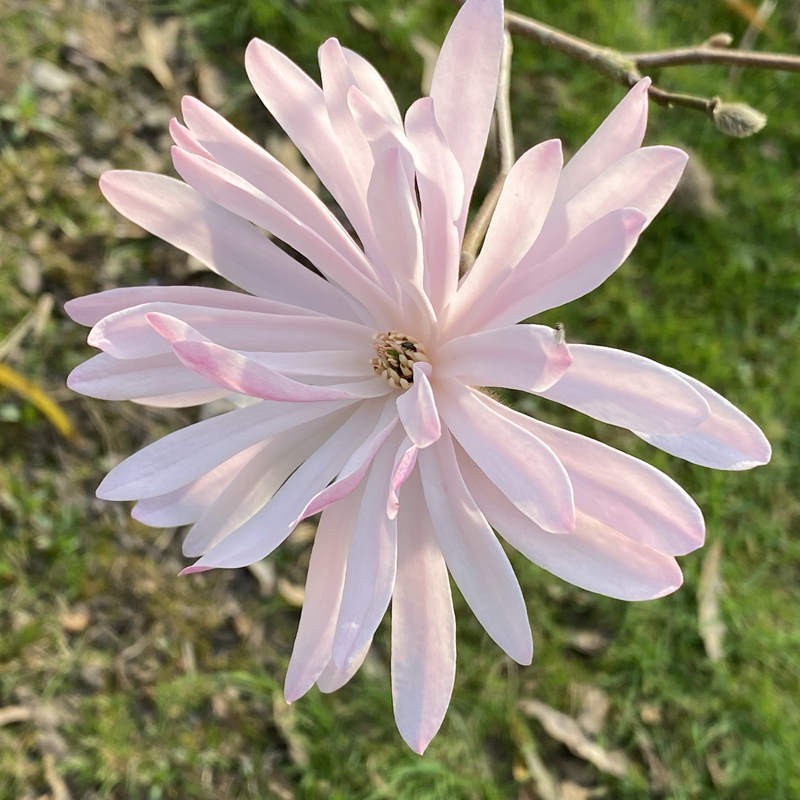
(726,439)
(526,357)
(417,409)
(404,462)
(624,389)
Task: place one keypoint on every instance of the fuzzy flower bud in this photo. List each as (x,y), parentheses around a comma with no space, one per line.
(738,119)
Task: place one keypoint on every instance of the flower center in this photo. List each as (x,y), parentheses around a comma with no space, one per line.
(396,356)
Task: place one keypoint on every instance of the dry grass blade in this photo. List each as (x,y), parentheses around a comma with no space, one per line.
(709,589)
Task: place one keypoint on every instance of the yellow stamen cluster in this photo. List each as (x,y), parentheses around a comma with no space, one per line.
(396,356)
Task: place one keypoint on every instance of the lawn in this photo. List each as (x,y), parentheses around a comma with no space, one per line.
(120,680)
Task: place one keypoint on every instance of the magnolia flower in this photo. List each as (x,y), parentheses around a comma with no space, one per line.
(357,387)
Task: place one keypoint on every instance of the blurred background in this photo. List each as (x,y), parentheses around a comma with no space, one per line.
(119,680)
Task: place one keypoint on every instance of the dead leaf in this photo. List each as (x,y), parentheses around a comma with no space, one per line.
(594,705)
(429,52)
(712,628)
(292,593)
(11,714)
(660,779)
(74,620)
(565,729)
(211,84)
(286,722)
(588,642)
(546,786)
(158,43)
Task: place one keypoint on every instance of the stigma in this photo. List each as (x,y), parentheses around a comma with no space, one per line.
(395,357)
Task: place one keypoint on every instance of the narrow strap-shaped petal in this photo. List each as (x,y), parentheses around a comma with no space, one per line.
(464,84)
(233,370)
(323,595)
(620,491)
(127,334)
(187,504)
(643,179)
(524,468)
(417,409)
(473,555)
(423,627)
(298,105)
(441,194)
(268,528)
(522,208)
(184,138)
(580,266)
(254,486)
(332,678)
(620,133)
(356,466)
(242,155)
(223,241)
(184,455)
(594,556)
(91,308)
(405,459)
(110,378)
(527,357)
(628,390)
(370,82)
(371,564)
(726,439)
(242,198)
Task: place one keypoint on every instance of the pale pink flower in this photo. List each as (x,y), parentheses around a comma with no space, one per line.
(357,391)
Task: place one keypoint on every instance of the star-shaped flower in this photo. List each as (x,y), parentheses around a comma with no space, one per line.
(358,389)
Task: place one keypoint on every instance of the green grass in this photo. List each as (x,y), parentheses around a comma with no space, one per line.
(142,685)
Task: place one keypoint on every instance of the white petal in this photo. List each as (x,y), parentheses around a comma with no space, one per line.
(474,557)
(423,627)
(417,409)
(526,357)
(524,468)
(727,439)
(624,389)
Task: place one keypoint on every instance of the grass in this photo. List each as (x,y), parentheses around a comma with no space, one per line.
(128,683)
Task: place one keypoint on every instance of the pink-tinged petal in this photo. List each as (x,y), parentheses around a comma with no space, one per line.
(91,308)
(371,564)
(184,139)
(464,84)
(223,241)
(270,526)
(473,555)
(232,370)
(356,466)
(396,223)
(127,334)
(110,378)
(188,503)
(522,208)
(298,105)
(370,82)
(241,155)
(417,409)
(527,357)
(323,595)
(620,491)
(323,363)
(186,454)
(726,439)
(643,179)
(441,194)
(423,628)
(580,266)
(594,556)
(243,199)
(254,486)
(524,468)
(405,460)
(333,677)
(620,133)
(631,391)
(193,397)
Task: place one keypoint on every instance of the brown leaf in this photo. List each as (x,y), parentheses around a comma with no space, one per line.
(566,730)
(158,44)
(594,705)
(712,629)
